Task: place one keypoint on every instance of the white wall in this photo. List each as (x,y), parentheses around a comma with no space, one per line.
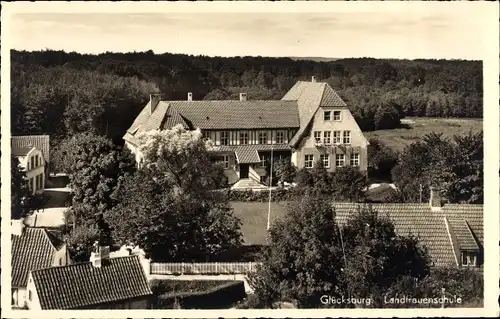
(33,171)
(34,303)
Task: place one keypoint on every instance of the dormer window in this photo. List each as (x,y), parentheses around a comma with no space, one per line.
(337,116)
(469,259)
(327,115)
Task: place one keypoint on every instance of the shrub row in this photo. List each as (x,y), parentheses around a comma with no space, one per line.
(213,295)
(277,195)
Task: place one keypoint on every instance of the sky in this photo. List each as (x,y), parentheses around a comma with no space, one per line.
(408,34)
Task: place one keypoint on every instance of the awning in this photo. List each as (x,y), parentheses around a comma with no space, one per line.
(245,155)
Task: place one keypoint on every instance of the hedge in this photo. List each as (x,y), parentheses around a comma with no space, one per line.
(277,195)
(205,294)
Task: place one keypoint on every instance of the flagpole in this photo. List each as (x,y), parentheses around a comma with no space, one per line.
(270,184)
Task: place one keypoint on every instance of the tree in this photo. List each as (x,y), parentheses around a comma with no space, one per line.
(453,166)
(81,240)
(381,159)
(348,183)
(95,167)
(170,207)
(23,201)
(378,257)
(303,260)
(284,170)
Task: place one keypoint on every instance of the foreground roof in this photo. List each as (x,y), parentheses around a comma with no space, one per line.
(34,249)
(439,231)
(19,145)
(83,285)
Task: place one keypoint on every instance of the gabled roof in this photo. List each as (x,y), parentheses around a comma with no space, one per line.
(216,115)
(247,155)
(21,151)
(82,285)
(310,96)
(34,249)
(429,226)
(21,143)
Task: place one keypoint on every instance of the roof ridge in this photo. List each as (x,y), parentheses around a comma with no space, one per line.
(83,263)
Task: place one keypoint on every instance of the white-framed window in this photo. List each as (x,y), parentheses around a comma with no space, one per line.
(60,261)
(225,161)
(347,137)
(224,138)
(29,295)
(263,160)
(280,137)
(32,159)
(355,159)
(308,161)
(327,137)
(243,138)
(339,160)
(263,137)
(469,259)
(36,160)
(337,139)
(337,116)
(206,134)
(317,136)
(327,115)
(325,159)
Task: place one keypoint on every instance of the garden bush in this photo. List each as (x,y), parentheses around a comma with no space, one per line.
(201,294)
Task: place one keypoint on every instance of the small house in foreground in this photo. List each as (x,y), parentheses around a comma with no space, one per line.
(32,248)
(101,283)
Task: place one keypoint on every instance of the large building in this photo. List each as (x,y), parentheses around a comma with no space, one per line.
(310,123)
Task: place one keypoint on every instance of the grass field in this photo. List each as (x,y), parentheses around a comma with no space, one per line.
(253,215)
(417,127)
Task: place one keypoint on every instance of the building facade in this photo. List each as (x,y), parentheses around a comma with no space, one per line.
(33,163)
(310,123)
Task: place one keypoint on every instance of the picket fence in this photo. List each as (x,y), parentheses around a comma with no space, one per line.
(211,268)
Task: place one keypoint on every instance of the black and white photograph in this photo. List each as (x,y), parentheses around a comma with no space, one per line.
(241,159)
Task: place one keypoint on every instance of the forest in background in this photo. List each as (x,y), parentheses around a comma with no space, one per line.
(60,93)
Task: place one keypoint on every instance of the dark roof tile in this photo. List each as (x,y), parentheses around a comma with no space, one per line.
(32,250)
(41,142)
(82,285)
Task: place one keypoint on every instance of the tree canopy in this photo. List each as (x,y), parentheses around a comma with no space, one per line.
(170,207)
(453,165)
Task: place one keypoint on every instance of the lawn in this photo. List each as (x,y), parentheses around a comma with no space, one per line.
(253,215)
(416,127)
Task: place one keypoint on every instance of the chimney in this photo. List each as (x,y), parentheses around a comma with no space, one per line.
(154,99)
(190,96)
(17,226)
(99,254)
(435,200)
(243,96)
(313,79)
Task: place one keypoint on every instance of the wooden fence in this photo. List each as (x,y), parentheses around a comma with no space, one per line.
(212,268)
